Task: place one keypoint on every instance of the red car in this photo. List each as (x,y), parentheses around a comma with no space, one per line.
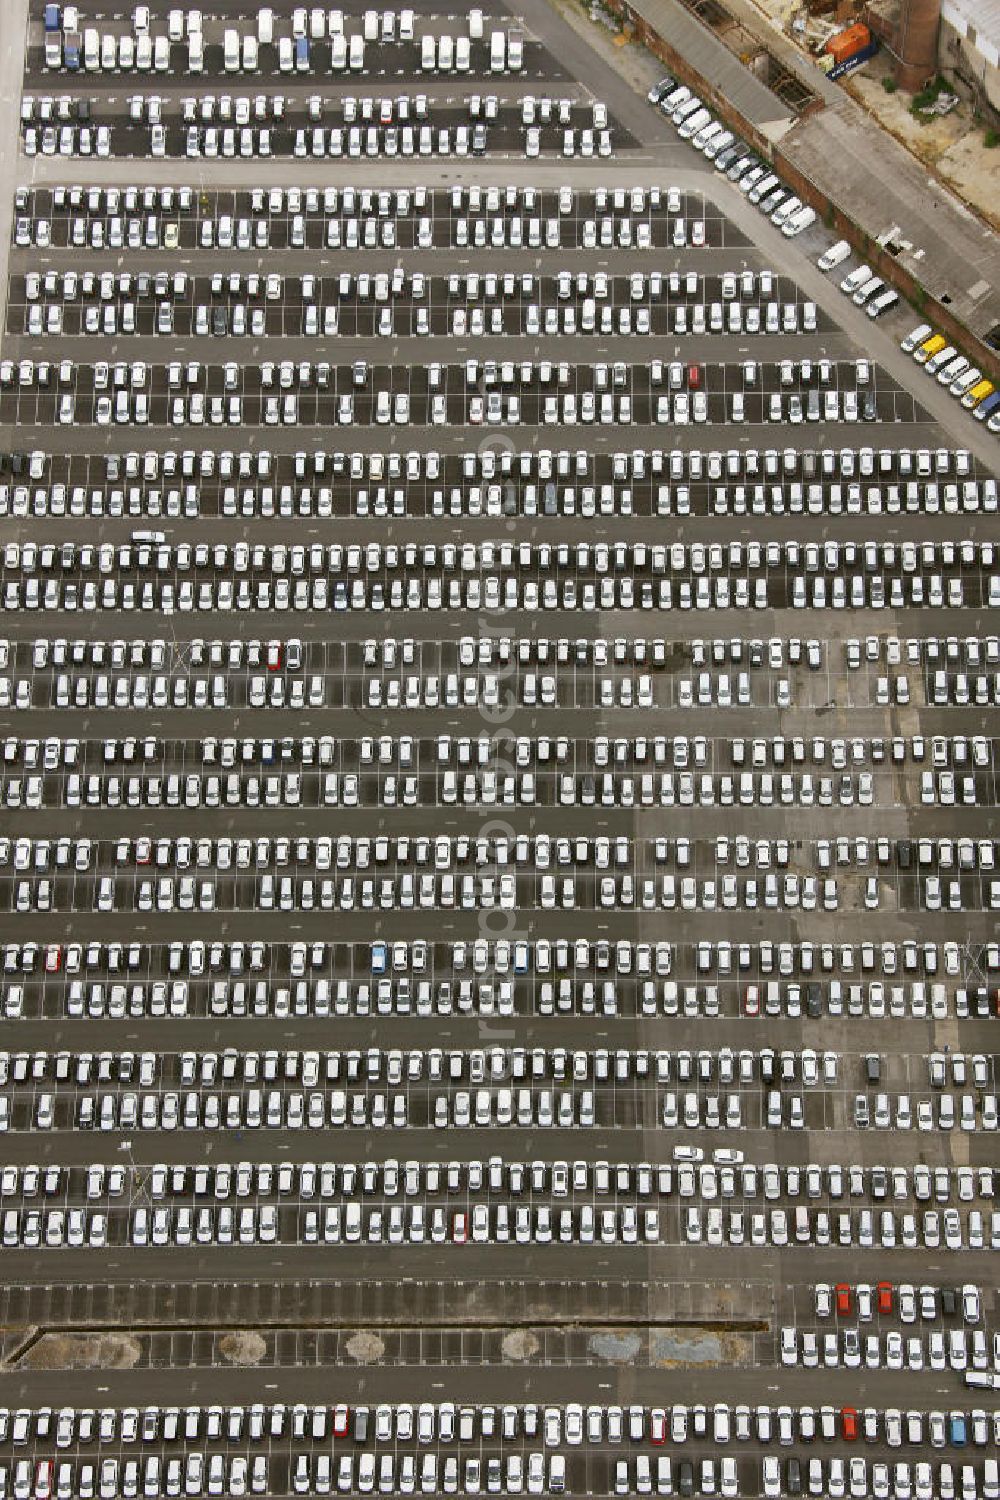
(849,1424)
(843,1293)
(694,377)
(657,1426)
(884,1290)
(341,1418)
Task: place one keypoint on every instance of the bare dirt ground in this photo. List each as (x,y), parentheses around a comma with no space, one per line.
(952,145)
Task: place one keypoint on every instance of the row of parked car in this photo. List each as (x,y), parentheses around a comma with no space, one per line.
(860,284)
(964,380)
(445,1421)
(754,178)
(198,959)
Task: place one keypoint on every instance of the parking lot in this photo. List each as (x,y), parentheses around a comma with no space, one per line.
(499,767)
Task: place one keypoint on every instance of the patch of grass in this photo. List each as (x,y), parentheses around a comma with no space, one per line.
(889,84)
(991,139)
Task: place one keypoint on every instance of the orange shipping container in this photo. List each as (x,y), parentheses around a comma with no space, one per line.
(847,42)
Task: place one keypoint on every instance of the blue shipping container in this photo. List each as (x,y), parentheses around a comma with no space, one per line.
(850,63)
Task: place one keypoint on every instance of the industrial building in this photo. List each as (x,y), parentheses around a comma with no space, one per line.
(959,39)
(969,52)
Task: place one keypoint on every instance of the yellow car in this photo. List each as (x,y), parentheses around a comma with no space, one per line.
(979,392)
(930,347)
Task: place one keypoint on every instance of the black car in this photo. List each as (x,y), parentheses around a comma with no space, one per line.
(661,88)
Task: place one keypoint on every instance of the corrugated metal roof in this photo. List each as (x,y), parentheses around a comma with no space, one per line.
(712,59)
(984,15)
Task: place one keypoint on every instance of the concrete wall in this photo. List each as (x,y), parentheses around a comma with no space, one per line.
(970,72)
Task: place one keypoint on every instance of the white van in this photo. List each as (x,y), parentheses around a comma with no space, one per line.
(938,361)
(463,54)
(685,109)
(515,54)
(693,122)
(498,51)
(798,221)
(446,52)
(854,279)
(338,52)
(231,49)
(265,25)
(880,304)
(356,53)
(785,211)
(835,256)
(428,54)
